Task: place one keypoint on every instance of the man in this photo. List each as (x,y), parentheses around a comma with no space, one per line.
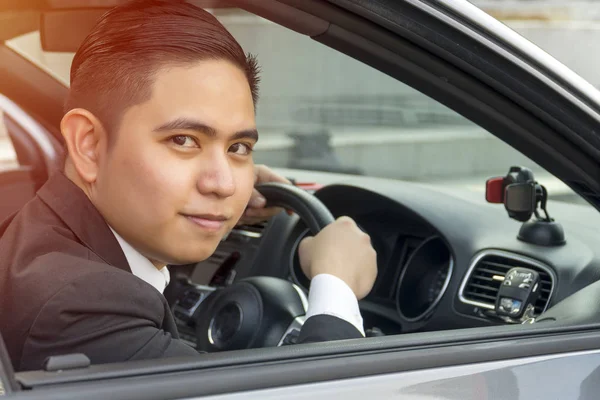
(159,128)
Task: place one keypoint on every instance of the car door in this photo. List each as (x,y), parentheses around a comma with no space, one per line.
(457,56)
(474,364)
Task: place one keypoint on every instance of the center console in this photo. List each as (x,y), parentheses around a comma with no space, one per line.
(191,284)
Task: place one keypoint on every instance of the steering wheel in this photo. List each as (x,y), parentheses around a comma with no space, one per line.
(260,311)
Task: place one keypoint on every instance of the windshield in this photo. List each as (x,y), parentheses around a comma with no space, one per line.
(321,110)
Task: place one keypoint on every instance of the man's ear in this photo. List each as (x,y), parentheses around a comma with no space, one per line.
(85,138)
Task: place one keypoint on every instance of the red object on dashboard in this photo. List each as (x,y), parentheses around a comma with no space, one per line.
(309,185)
(494,190)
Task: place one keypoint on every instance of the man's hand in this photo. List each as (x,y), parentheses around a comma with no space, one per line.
(256,211)
(341,249)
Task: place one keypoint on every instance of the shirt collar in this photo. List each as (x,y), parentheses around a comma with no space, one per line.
(142,267)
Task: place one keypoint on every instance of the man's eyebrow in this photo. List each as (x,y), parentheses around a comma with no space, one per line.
(187,124)
(251,134)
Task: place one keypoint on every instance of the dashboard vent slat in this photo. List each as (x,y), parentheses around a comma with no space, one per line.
(485,277)
(253,231)
(491,271)
(498,265)
(483,287)
(480,296)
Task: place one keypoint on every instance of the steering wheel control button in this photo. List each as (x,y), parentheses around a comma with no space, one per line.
(225,324)
(518,291)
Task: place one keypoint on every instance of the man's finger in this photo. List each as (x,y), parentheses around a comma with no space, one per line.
(304,254)
(250,221)
(267,212)
(265,174)
(257,200)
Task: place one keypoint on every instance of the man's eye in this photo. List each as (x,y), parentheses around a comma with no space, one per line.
(184,141)
(241,149)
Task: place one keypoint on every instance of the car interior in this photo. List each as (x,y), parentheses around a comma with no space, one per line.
(38,154)
(448,258)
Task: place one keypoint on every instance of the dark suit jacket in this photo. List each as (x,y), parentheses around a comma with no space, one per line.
(66,287)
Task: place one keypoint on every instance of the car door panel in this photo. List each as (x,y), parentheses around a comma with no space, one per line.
(466,360)
(565,376)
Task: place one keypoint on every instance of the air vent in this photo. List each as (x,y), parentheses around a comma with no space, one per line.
(254,230)
(189,300)
(487,273)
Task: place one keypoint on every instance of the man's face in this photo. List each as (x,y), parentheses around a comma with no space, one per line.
(179,172)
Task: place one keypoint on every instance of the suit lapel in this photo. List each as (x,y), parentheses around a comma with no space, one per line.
(75,209)
(4,225)
(168,323)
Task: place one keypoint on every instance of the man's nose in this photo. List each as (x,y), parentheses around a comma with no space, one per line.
(216,176)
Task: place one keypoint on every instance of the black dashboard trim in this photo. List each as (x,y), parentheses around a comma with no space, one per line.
(425,314)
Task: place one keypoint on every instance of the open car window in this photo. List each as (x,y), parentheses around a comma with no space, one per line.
(322,110)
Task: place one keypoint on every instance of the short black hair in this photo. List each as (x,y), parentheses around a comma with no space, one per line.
(114,67)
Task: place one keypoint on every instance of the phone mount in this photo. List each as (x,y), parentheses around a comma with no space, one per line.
(523,197)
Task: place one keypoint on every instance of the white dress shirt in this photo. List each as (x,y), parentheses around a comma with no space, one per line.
(142,267)
(328,294)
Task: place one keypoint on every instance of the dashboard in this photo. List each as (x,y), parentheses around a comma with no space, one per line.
(442,254)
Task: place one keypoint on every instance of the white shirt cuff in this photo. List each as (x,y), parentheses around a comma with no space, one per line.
(330,295)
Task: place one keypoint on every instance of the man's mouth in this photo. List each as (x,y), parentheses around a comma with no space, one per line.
(209,222)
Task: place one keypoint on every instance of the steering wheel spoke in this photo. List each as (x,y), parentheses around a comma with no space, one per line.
(292,332)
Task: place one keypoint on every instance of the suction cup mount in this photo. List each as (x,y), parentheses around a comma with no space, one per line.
(523,198)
